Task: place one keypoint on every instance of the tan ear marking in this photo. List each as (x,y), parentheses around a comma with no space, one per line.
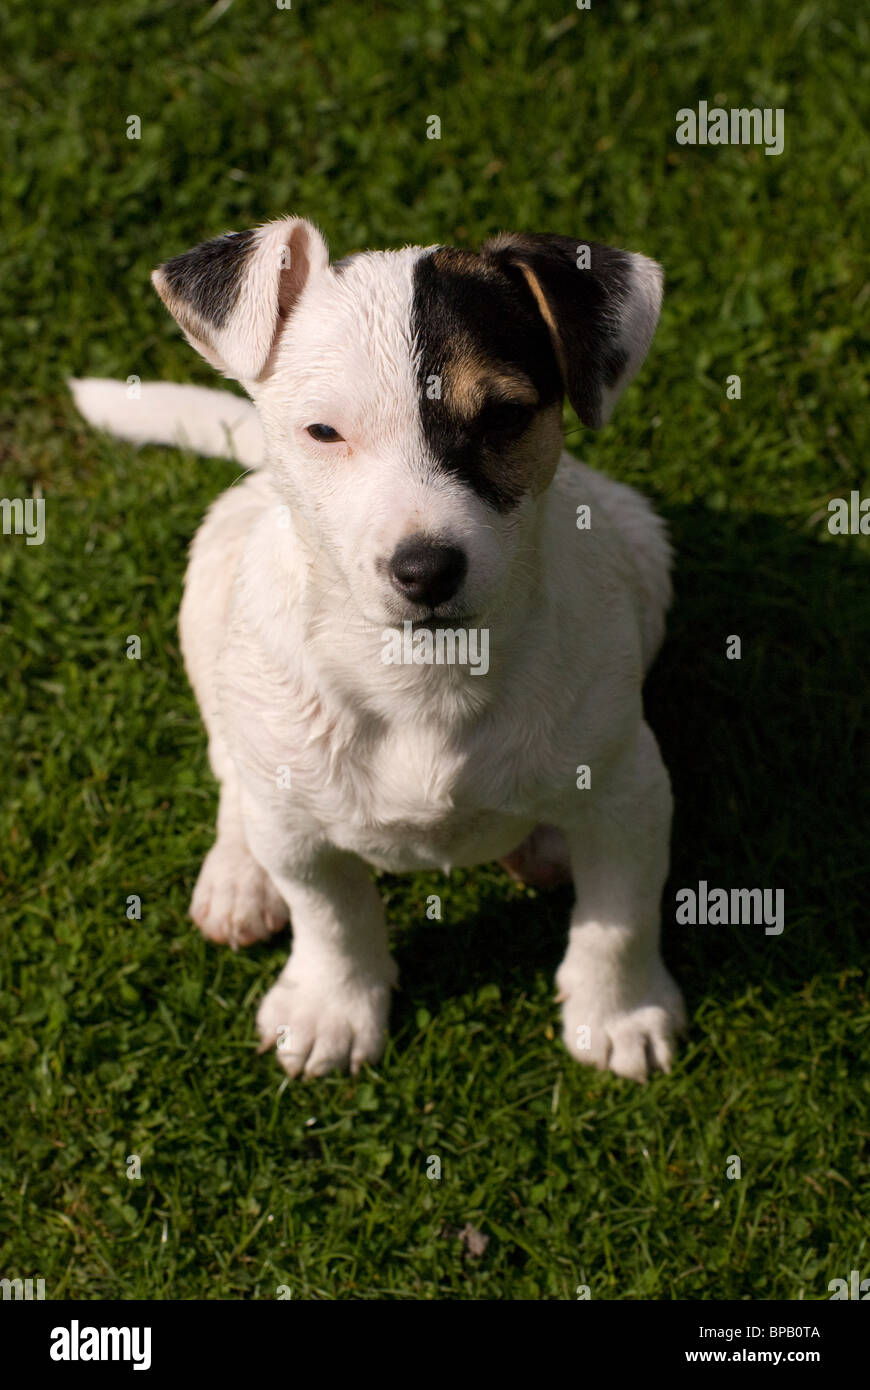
(534,285)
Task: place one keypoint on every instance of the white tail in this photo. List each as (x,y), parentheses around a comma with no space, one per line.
(216,423)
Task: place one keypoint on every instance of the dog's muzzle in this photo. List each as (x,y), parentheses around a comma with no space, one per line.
(427,572)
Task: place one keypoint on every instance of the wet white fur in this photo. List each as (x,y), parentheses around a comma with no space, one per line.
(409,767)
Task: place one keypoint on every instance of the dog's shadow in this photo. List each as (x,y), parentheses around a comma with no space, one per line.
(768,755)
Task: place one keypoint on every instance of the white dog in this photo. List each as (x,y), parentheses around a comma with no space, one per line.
(416,507)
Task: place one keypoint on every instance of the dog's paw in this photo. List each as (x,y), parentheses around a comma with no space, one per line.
(543,860)
(235,902)
(630,1031)
(322,1026)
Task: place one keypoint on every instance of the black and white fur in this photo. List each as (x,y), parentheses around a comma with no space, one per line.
(439,494)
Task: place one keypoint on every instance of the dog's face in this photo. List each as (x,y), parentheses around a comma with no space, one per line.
(411,400)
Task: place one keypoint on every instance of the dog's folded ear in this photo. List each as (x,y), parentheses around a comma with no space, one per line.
(600,306)
(233,295)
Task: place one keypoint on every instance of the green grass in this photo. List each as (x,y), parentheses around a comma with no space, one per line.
(122,1037)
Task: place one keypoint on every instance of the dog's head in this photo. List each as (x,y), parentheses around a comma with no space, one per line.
(411,400)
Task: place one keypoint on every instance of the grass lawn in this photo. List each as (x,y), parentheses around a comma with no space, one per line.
(124,1038)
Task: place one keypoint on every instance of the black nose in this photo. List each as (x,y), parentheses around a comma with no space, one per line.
(426,572)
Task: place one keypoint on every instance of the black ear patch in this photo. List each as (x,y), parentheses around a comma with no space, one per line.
(208,279)
(486,372)
(232,296)
(600,323)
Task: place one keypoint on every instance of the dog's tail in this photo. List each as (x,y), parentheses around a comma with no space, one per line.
(216,423)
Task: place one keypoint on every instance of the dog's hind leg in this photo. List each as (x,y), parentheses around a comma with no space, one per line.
(235,901)
(543,860)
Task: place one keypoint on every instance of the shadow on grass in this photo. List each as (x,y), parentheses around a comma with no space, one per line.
(768,756)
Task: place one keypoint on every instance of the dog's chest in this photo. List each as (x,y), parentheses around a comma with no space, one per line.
(415,799)
(403,799)
(403,794)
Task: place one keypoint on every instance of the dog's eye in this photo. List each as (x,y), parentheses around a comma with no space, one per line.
(505,419)
(324,434)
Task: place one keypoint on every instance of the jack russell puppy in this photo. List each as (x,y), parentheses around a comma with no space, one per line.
(418,634)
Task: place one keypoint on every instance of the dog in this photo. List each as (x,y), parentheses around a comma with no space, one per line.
(409,479)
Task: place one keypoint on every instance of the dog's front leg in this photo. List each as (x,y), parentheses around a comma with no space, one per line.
(329,1007)
(621,1009)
